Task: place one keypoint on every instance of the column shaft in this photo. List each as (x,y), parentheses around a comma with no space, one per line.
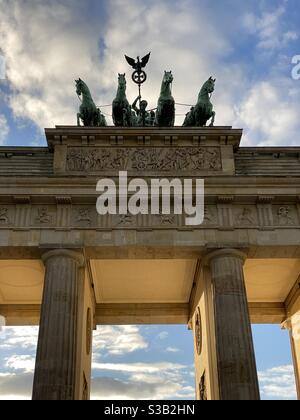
(292,324)
(236,363)
(59,349)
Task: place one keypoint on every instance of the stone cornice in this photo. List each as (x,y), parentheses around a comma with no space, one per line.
(110,136)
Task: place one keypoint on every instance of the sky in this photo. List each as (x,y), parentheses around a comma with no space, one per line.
(248,46)
(144,362)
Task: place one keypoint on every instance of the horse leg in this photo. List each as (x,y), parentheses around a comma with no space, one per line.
(213,119)
(173,121)
(125,123)
(156,117)
(78,120)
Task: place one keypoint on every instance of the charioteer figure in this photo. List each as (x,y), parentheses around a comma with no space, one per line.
(144,117)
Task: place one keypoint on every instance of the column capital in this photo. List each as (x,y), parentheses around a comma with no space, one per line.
(287,325)
(223,253)
(66,253)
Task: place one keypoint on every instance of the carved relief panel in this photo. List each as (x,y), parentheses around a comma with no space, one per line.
(7,216)
(210,216)
(159,159)
(285,215)
(84,216)
(245,216)
(43,216)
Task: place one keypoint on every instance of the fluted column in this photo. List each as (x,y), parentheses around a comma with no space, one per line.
(58,361)
(293,326)
(236,365)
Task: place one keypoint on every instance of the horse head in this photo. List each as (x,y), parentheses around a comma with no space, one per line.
(81,87)
(209,86)
(168,77)
(122,81)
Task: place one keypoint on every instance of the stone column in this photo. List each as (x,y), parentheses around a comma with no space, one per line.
(236,365)
(64,347)
(293,326)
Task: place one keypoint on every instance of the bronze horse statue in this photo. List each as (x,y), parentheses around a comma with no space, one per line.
(122,113)
(89,114)
(203,111)
(165,114)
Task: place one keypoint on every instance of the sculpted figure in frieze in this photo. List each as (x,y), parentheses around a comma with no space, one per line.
(246,217)
(4,216)
(125,220)
(43,216)
(84,216)
(285,216)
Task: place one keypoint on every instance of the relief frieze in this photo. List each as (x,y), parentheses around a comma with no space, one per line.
(161,159)
(86,217)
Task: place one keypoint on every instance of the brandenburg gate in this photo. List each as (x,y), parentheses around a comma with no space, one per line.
(67,269)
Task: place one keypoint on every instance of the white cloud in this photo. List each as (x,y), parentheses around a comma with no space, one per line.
(278,383)
(16,386)
(17,361)
(172,350)
(142,381)
(269,28)
(24,363)
(2,67)
(4,129)
(46,46)
(163,335)
(112,389)
(270,115)
(137,367)
(119,340)
(21,338)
